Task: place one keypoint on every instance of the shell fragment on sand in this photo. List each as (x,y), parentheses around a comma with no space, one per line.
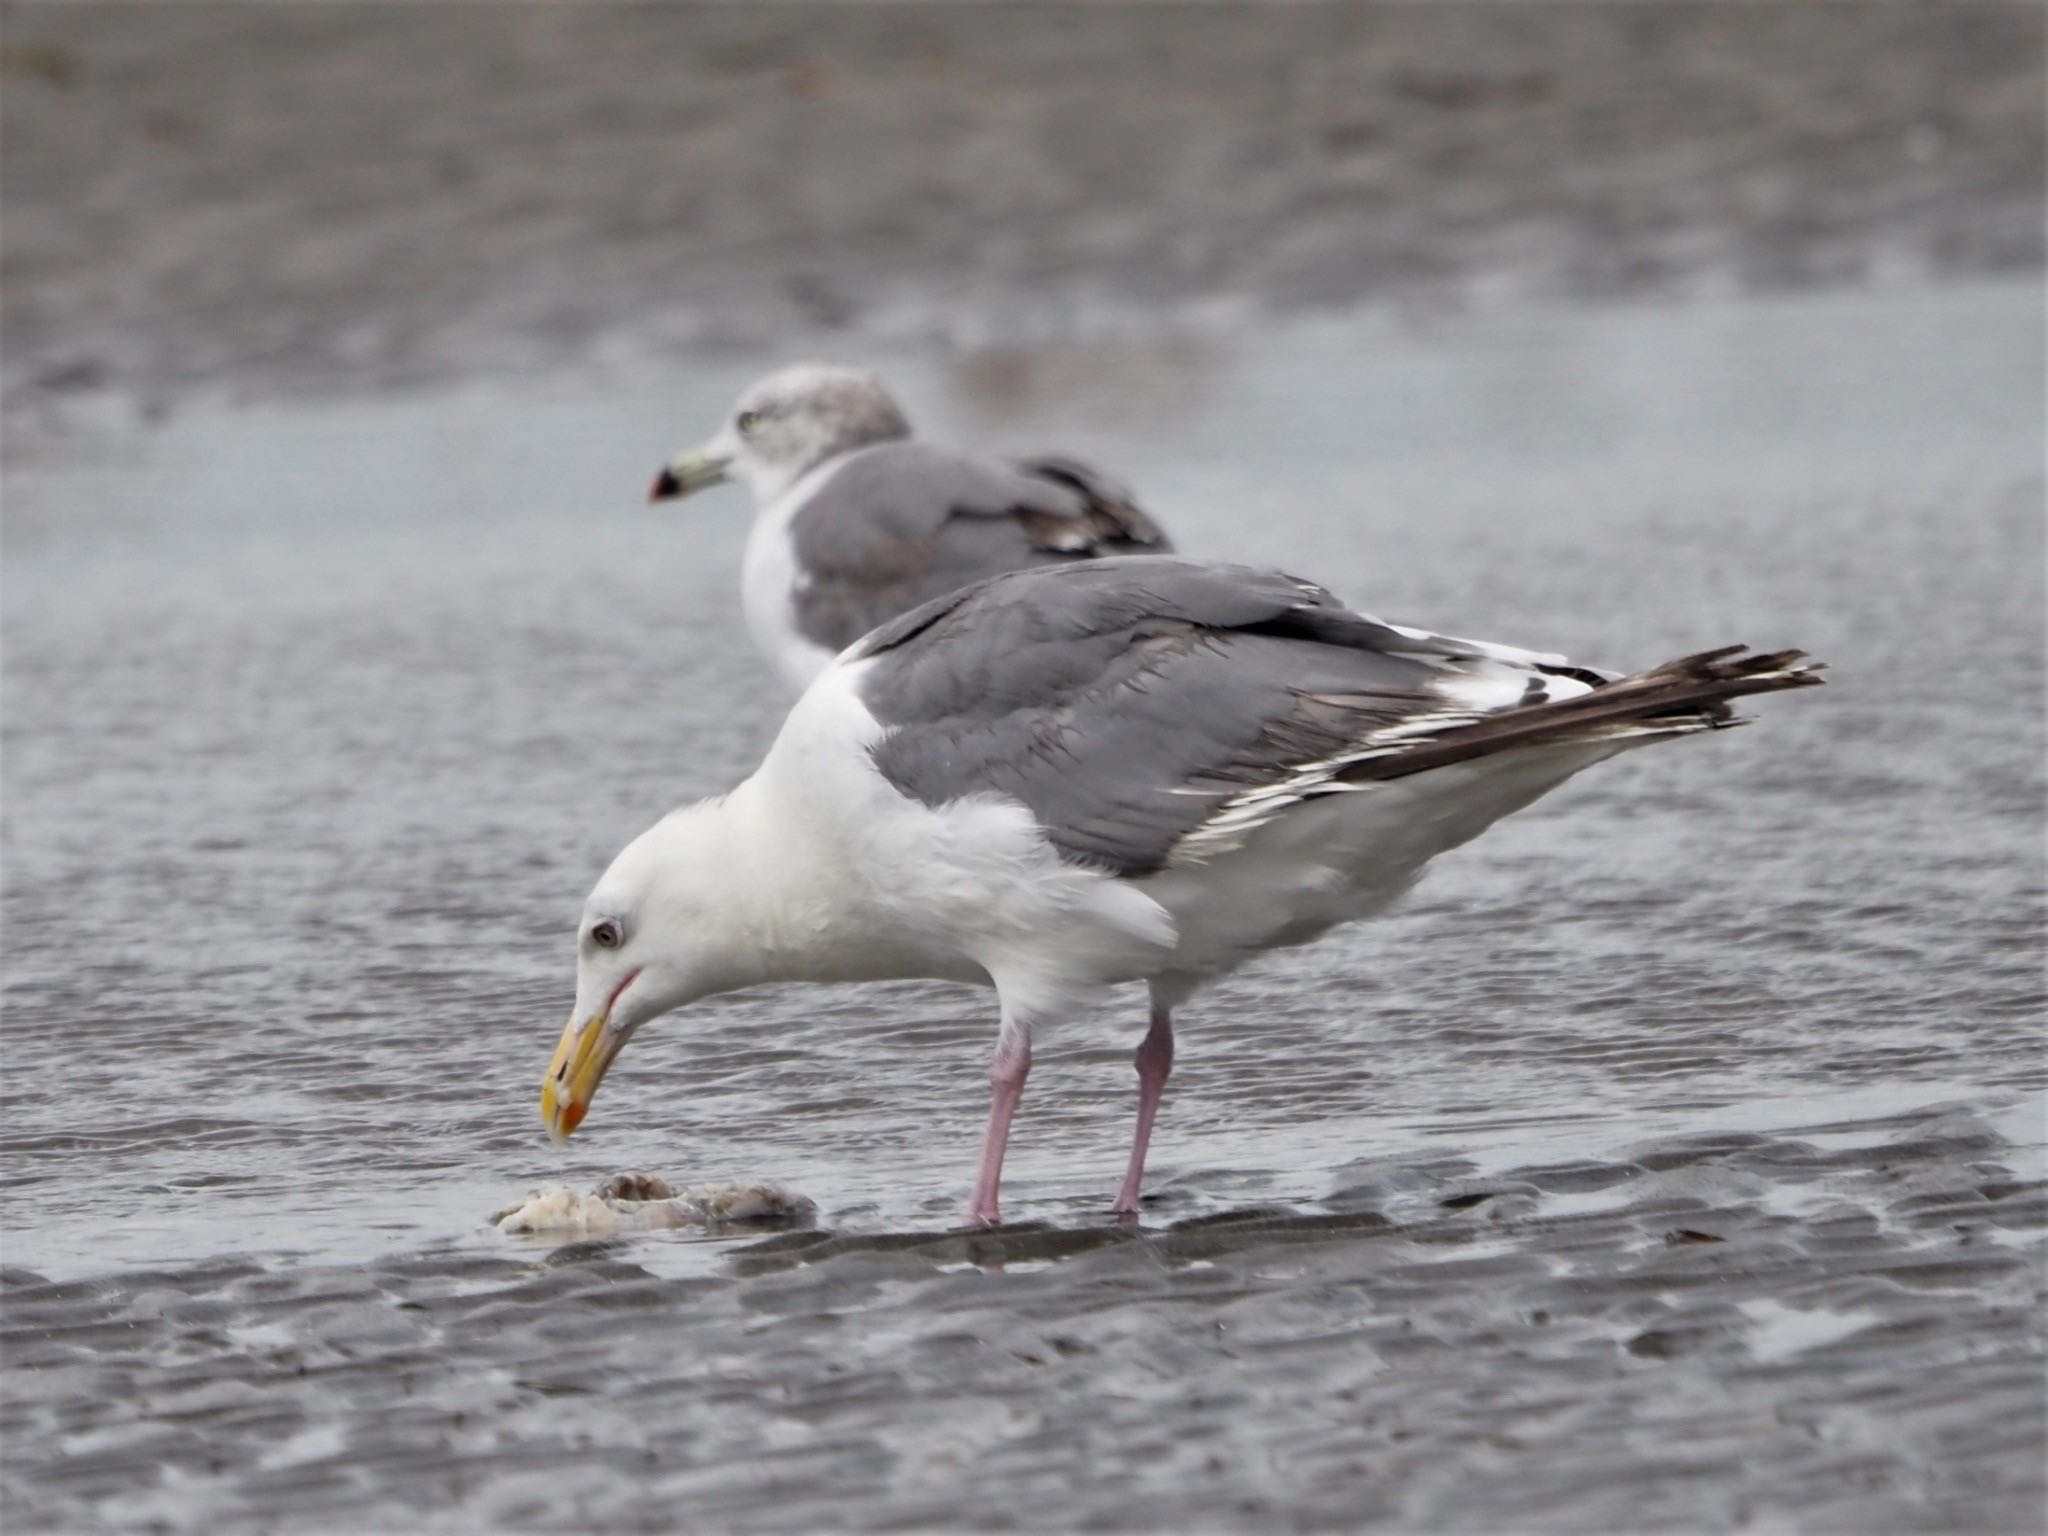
(638,1202)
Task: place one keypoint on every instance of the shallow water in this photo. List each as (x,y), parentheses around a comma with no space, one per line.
(1673,1156)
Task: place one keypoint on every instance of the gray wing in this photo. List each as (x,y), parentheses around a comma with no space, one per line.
(900,523)
(1160,709)
(1129,702)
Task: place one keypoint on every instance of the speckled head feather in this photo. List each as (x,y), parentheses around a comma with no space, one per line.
(800,416)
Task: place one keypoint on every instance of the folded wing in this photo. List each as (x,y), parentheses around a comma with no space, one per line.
(903,522)
(1153,712)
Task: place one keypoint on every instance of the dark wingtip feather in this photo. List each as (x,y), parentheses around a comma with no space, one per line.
(1689,693)
(1734,670)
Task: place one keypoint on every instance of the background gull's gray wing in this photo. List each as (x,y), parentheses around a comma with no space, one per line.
(1109,520)
(1134,704)
(902,522)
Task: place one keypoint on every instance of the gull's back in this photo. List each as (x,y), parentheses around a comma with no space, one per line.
(898,524)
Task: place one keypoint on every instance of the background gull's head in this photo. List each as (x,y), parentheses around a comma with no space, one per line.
(785,425)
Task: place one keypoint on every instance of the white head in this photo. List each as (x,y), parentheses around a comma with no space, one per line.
(661,929)
(784,425)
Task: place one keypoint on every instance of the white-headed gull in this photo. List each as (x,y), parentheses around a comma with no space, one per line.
(856,522)
(1144,769)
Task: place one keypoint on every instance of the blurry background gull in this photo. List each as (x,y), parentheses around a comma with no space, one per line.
(855,521)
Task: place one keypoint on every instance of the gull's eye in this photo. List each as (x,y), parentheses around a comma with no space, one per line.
(606,935)
(746,421)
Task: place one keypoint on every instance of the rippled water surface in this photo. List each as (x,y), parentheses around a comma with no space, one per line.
(1673,1153)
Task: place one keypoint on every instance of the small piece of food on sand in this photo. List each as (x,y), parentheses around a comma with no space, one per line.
(640,1202)
(560,1212)
(634,1186)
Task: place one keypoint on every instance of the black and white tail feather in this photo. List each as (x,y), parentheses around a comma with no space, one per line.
(1562,705)
(1689,694)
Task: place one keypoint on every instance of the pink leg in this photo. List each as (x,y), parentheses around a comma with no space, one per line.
(1155,1065)
(1006,1074)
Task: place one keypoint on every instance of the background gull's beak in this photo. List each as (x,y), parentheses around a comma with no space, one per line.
(687,473)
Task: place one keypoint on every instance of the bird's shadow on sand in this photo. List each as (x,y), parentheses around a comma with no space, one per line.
(781,1244)
(1039,1242)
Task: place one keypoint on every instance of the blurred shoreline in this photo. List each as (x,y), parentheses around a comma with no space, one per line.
(263,201)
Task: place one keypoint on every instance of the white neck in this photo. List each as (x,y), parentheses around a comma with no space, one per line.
(786,909)
(771,483)
(769,578)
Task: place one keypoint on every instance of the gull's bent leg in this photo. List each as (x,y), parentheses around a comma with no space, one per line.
(1155,1065)
(1006,1074)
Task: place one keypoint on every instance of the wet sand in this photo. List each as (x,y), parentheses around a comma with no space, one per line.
(1673,1159)
(1833,1328)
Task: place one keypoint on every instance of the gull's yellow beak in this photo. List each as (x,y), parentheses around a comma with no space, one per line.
(688,473)
(586,1050)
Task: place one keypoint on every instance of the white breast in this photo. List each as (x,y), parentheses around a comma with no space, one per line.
(770,579)
(967,891)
